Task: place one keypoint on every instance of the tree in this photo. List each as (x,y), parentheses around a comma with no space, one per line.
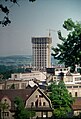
(69,51)
(61,99)
(6,10)
(12,86)
(3,107)
(21,112)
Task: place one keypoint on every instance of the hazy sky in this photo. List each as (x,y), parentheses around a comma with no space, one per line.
(35,19)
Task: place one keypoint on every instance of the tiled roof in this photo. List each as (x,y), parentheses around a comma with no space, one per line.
(12,93)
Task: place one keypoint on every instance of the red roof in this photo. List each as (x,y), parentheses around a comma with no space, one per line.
(12,93)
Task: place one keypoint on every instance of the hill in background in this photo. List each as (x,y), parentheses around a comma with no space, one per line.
(20,60)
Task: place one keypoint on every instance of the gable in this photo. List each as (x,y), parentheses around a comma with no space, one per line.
(38,96)
(6,100)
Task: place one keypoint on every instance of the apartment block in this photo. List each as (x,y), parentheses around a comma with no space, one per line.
(41,52)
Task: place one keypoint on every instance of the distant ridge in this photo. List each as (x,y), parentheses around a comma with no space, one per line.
(12,56)
(16,60)
(20,60)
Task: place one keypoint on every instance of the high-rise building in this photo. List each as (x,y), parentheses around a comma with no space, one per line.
(41,52)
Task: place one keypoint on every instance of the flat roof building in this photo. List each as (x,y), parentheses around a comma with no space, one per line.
(41,52)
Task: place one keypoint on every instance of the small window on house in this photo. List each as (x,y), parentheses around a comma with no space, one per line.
(75,86)
(36,96)
(75,94)
(40,96)
(6,114)
(60,69)
(56,69)
(70,93)
(40,103)
(15,76)
(44,104)
(54,77)
(44,114)
(32,104)
(69,86)
(5,100)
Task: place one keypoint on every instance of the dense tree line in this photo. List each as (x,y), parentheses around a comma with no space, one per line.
(6,71)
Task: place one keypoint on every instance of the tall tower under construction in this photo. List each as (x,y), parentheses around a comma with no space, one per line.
(41,52)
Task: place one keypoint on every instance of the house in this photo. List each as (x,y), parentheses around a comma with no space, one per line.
(33,98)
(77,106)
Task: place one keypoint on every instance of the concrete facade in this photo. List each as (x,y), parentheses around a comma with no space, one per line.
(41,52)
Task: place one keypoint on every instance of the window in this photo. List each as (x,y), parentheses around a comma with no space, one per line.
(75,86)
(5,100)
(56,69)
(44,104)
(75,94)
(32,104)
(69,86)
(54,77)
(6,114)
(44,114)
(36,103)
(40,96)
(70,93)
(17,86)
(36,96)
(60,69)
(23,86)
(15,76)
(40,103)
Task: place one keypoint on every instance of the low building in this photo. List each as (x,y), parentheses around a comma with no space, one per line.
(29,76)
(16,84)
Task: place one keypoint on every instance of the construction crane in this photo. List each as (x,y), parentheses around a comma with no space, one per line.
(50,31)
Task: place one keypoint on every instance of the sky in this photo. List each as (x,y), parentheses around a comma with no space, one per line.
(33,20)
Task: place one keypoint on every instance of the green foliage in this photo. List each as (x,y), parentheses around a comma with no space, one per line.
(69,24)
(12,86)
(61,99)
(21,112)
(3,107)
(6,71)
(6,21)
(69,51)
